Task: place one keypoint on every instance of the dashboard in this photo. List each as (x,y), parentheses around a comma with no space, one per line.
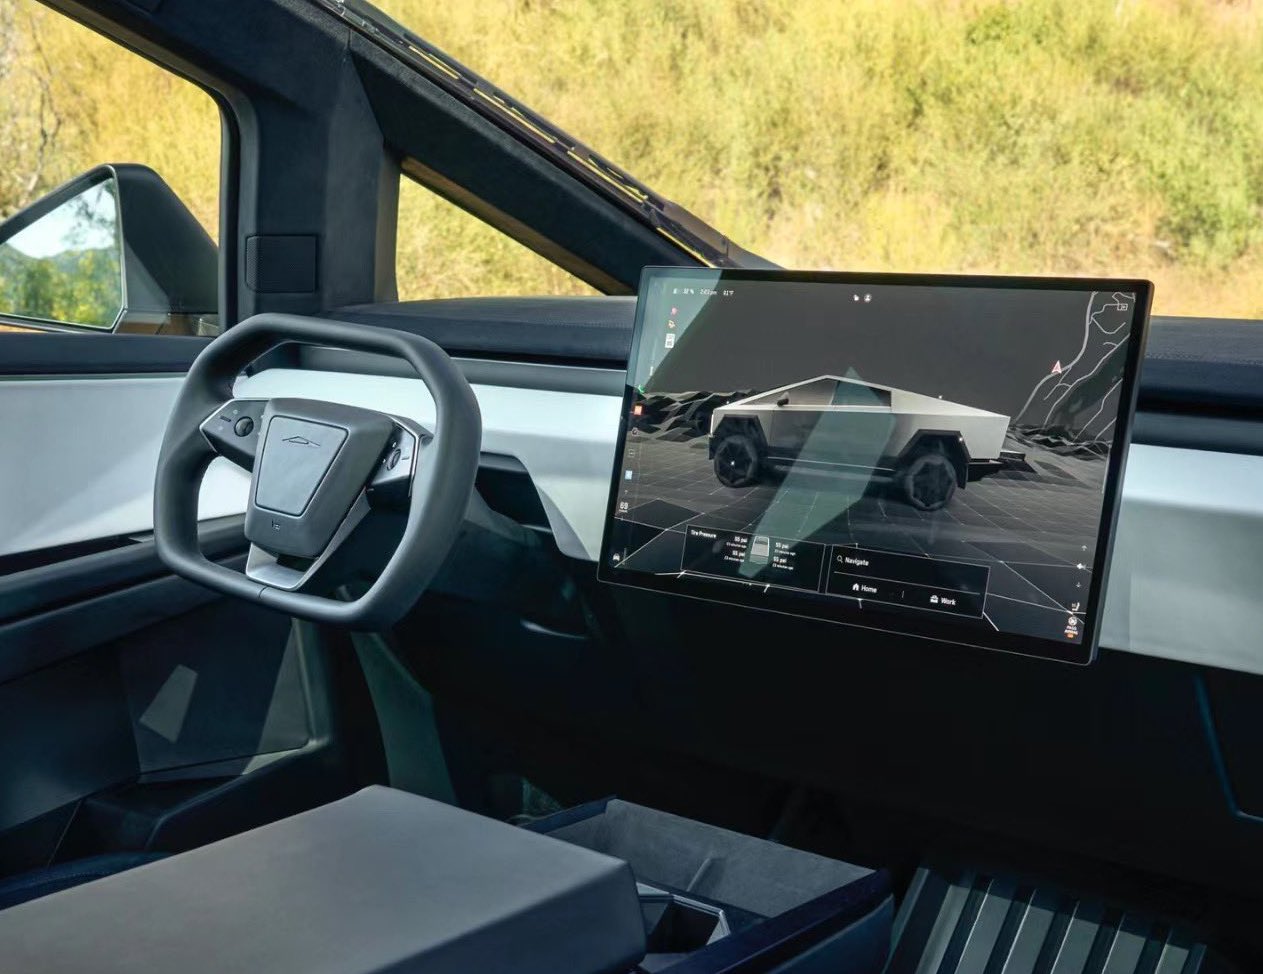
(1190,524)
(1151,741)
(1178,505)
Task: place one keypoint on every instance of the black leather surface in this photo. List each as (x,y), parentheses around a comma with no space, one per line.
(380,881)
(576,329)
(73,353)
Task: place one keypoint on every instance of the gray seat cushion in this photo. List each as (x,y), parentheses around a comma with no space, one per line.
(380,881)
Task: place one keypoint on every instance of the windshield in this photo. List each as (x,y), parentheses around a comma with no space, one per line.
(1047,137)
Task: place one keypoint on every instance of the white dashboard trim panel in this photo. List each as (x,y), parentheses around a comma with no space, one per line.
(1184,583)
(565,440)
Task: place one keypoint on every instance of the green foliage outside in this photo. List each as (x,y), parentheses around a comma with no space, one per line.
(1040,136)
(64,266)
(1043,136)
(80,287)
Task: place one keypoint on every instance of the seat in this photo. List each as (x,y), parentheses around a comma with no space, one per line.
(35,883)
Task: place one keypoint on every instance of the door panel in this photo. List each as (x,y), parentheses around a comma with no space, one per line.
(92,443)
(142,711)
(68,735)
(35,583)
(55,611)
(222,682)
(159,717)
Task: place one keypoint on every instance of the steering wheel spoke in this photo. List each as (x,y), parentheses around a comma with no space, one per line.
(293,574)
(232,430)
(391,482)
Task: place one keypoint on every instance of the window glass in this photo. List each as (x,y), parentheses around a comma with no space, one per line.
(1118,137)
(444,252)
(72,101)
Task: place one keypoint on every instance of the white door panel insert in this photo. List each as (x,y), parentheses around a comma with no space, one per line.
(77,459)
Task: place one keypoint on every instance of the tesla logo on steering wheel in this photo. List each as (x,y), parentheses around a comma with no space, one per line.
(301,441)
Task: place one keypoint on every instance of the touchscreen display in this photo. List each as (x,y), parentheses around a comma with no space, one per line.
(935,456)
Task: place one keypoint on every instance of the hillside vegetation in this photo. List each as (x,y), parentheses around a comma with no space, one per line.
(1043,136)
(79,287)
(70,100)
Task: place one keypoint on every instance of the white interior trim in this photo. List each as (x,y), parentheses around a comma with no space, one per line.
(78,458)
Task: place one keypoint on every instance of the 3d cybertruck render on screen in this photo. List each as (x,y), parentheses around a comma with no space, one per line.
(925,447)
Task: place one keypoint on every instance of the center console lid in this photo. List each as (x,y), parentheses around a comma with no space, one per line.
(380,881)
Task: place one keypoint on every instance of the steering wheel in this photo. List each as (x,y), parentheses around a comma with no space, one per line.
(318,469)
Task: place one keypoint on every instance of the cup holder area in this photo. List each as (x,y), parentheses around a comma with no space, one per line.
(674,925)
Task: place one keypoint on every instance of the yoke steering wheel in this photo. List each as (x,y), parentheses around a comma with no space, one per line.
(317,470)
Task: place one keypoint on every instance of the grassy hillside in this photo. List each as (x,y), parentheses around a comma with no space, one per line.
(90,102)
(1043,136)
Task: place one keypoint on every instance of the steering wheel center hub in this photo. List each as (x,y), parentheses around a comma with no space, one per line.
(315,458)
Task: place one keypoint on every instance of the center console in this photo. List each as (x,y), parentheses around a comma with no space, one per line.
(380,881)
(386,881)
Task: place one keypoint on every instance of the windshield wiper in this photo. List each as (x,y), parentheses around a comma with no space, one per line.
(690,233)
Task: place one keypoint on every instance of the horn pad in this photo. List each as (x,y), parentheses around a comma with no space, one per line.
(314,460)
(299,455)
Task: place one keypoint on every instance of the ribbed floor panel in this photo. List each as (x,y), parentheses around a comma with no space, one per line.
(971,923)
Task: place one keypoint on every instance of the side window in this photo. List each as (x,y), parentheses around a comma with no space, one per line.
(441,251)
(109,206)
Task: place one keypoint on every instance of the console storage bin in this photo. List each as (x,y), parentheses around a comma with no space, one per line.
(719,901)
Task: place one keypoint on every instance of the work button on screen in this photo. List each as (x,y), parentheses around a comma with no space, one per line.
(944,600)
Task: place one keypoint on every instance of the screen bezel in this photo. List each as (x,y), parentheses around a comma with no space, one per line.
(840,611)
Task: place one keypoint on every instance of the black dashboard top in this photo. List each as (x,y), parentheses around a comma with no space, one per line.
(1201,385)
(1189,362)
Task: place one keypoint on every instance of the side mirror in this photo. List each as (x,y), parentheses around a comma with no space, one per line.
(112,250)
(783,401)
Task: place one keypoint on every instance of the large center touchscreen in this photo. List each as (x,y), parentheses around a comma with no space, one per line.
(936,456)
